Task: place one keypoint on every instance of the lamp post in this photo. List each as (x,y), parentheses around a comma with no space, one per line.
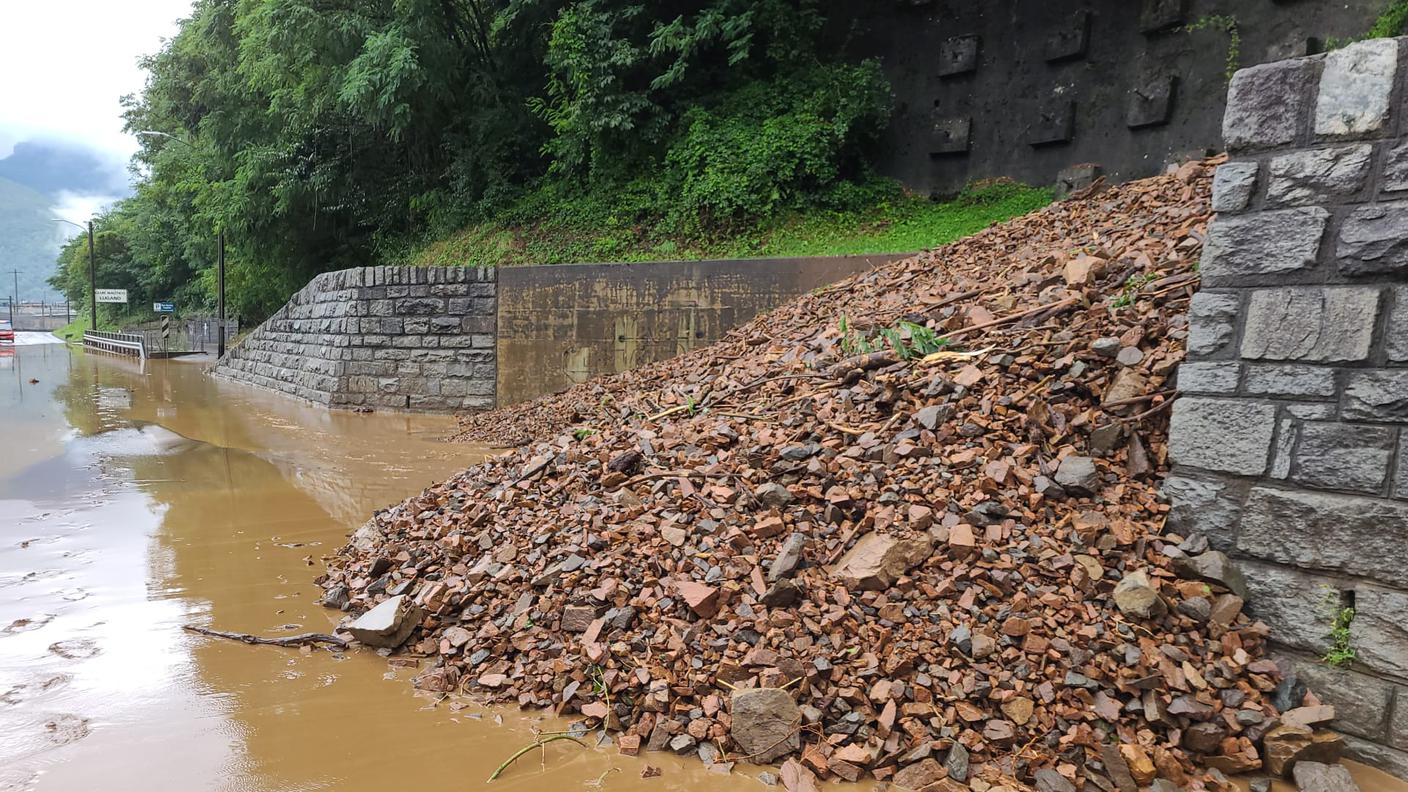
(220,256)
(92,272)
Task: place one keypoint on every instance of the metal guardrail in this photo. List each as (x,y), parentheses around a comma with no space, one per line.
(128,344)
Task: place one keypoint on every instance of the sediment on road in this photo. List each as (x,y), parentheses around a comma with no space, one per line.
(905,528)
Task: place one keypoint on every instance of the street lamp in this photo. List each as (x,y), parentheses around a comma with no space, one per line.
(220,261)
(92,272)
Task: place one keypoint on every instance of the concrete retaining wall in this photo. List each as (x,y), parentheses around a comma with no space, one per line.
(1290,447)
(561,325)
(405,338)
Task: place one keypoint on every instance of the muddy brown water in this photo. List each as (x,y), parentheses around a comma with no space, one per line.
(135,499)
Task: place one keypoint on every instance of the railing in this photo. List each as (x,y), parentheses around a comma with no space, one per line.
(128,344)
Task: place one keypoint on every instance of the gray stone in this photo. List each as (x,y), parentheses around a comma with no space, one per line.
(1289,380)
(1211,318)
(788,557)
(1379,631)
(1207,506)
(1048,780)
(772,495)
(1344,456)
(1311,412)
(1287,432)
(765,723)
(1215,567)
(1078,475)
(1266,103)
(1361,702)
(1395,173)
(1262,244)
(1376,395)
(1317,777)
(957,762)
(1136,596)
(1233,185)
(1318,324)
(1398,724)
(1397,340)
(1213,378)
(1226,435)
(1374,240)
(1339,533)
(1106,347)
(1318,175)
(1355,89)
(387,625)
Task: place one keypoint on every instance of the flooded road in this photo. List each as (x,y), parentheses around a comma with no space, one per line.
(136,499)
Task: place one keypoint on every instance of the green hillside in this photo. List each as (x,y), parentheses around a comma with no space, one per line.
(29,242)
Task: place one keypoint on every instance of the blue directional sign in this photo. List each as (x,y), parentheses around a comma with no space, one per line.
(164,307)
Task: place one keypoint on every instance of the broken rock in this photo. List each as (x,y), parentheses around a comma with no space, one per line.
(1136,596)
(877,560)
(766,723)
(389,624)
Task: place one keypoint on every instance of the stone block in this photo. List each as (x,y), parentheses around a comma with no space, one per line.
(1400,482)
(951,135)
(1209,378)
(1379,395)
(1397,340)
(1395,174)
(1361,702)
(1389,760)
(1226,435)
(1266,104)
(1210,506)
(1212,317)
(1291,602)
(1344,457)
(1262,244)
(1318,176)
(1233,185)
(1287,432)
(1289,380)
(1068,40)
(1055,123)
(1374,240)
(1150,102)
(1380,629)
(1398,723)
(1338,533)
(1356,88)
(958,55)
(1330,324)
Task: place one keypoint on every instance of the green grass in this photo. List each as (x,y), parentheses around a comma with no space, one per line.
(889,223)
(73,331)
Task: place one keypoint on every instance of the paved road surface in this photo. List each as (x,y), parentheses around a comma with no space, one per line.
(28,338)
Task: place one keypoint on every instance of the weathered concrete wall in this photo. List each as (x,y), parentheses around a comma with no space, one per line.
(561,325)
(1023,89)
(406,338)
(1290,447)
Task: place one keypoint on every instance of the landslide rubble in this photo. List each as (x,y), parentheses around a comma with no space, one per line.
(834,541)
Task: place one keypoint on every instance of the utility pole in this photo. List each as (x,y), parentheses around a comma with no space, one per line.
(17,284)
(92,279)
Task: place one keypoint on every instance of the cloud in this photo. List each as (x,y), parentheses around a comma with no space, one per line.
(67,63)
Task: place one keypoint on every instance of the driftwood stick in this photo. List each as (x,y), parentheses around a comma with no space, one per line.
(539,743)
(255,640)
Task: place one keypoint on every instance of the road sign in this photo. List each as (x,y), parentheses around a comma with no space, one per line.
(165,327)
(164,307)
(112,295)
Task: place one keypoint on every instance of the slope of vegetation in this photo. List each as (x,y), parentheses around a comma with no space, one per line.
(323,134)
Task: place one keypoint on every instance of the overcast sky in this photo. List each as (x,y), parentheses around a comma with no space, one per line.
(67,63)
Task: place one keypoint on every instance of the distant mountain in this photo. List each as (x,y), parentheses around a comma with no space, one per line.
(29,241)
(52,167)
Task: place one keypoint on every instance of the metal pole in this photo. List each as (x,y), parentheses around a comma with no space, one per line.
(17,285)
(92,279)
(220,318)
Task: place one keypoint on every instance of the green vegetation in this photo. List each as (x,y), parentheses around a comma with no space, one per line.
(28,237)
(1228,25)
(876,217)
(1341,614)
(1392,22)
(906,339)
(323,134)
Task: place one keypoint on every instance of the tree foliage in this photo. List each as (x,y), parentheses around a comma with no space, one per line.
(323,134)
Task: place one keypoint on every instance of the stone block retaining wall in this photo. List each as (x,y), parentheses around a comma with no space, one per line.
(409,338)
(1289,442)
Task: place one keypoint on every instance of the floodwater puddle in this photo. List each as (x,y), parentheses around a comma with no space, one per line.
(135,499)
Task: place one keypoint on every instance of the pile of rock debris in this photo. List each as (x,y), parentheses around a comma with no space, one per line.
(907,528)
